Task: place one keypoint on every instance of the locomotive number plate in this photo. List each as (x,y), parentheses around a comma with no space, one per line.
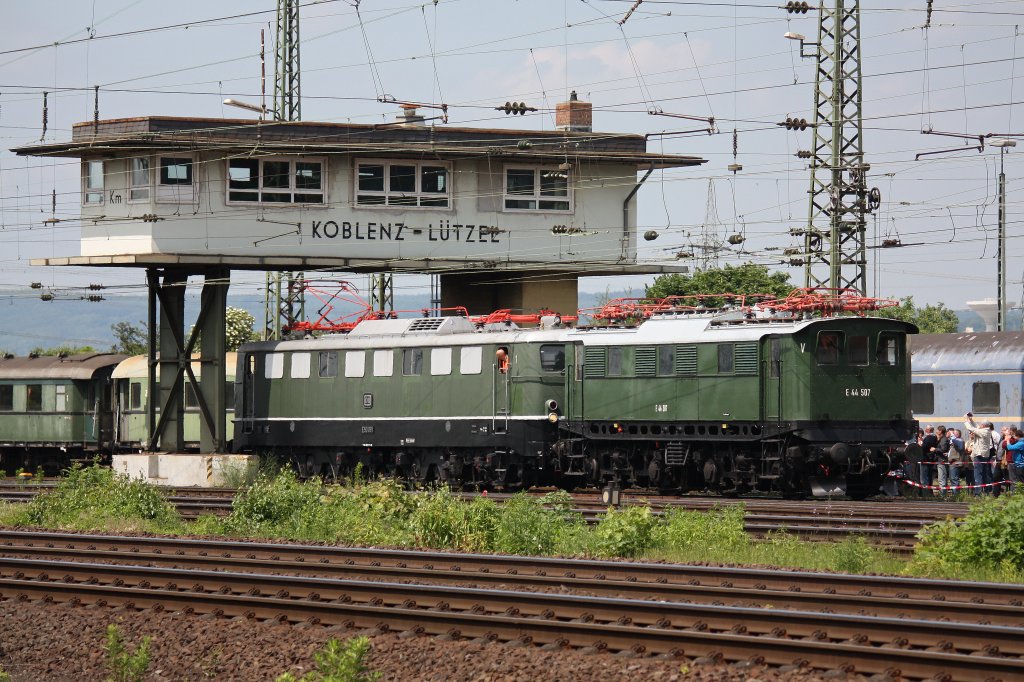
(858,393)
(661,408)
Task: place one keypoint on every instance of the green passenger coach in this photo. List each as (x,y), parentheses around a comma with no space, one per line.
(54,409)
(737,399)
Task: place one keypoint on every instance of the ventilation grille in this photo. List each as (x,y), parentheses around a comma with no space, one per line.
(746,358)
(595,362)
(686,361)
(426,324)
(646,361)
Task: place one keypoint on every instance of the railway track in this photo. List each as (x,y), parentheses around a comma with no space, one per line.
(912,628)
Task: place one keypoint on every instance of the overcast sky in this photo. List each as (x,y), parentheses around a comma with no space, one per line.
(722,59)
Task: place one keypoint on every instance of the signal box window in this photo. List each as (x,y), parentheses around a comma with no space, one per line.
(275,181)
(402,183)
(136,400)
(412,362)
(922,398)
(985,398)
(328,364)
(725,358)
(34,398)
(552,357)
(139,179)
(6,398)
(544,188)
(888,350)
(666,360)
(858,350)
(93,182)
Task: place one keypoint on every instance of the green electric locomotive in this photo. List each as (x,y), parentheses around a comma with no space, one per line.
(760,397)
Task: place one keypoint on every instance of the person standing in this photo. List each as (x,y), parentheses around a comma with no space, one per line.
(1015,469)
(956,458)
(979,444)
(941,456)
(928,457)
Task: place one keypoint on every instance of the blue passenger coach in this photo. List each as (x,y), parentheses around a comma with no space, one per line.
(979,372)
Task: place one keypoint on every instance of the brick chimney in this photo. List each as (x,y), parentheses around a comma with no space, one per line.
(574,116)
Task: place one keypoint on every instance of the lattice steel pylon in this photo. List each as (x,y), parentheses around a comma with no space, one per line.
(285,303)
(834,242)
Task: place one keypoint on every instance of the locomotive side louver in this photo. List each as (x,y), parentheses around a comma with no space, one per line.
(646,361)
(746,358)
(686,361)
(595,362)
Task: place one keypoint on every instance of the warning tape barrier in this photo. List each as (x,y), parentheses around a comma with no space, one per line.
(914,484)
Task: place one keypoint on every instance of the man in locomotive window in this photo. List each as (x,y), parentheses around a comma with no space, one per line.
(501,359)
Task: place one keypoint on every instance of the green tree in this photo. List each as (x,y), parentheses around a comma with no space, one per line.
(931,319)
(64,349)
(741,279)
(130,340)
(237,328)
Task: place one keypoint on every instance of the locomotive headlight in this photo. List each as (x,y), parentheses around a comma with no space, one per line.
(552,417)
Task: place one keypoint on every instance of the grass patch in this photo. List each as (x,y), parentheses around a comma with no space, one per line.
(94,498)
(338,662)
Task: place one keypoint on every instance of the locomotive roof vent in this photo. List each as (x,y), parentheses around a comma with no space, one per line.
(416,325)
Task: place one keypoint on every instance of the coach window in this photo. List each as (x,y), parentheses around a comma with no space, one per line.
(888,350)
(355,363)
(412,362)
(471,360)
(666,360)
(922,398)
(857,349)
(552,358)
(136,401)
(827,352)
(273,367)
(986,397)
(34,398)
(6,398)
(440,361)
(300,365)
(61,404)
(725,358)
(383,363)
(328,364)
(92,180)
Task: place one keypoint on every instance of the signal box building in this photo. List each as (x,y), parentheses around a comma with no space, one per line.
(527,210)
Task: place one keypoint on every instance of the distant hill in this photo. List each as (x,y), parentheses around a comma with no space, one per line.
(26,322)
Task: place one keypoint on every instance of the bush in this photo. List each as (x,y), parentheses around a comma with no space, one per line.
(444,521)
(627,532)
(338,662)
(90,497)
(990,537)
(275,505)
(719,530)
(125,665)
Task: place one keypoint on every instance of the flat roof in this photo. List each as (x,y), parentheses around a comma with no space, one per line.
(145,134)
(359,265)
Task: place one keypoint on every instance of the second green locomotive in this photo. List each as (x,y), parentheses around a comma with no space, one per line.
(734,400)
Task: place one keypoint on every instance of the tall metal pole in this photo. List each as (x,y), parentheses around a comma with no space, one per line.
(834,242)
(1001,319)
(285,302)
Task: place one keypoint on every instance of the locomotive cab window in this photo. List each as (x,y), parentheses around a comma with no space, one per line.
(273,367)
(922,398)
(471,360)
(615,362)
(858,350)
(355,363)
(985,397)
(552,357)
(412,362)
(34,398)
(888,350)
(827,352)
(440,361)
(6,398)
(300,365)
(328,364)
(383,363)
(725,358)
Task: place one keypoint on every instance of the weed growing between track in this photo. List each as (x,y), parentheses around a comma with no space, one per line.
(988,545)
